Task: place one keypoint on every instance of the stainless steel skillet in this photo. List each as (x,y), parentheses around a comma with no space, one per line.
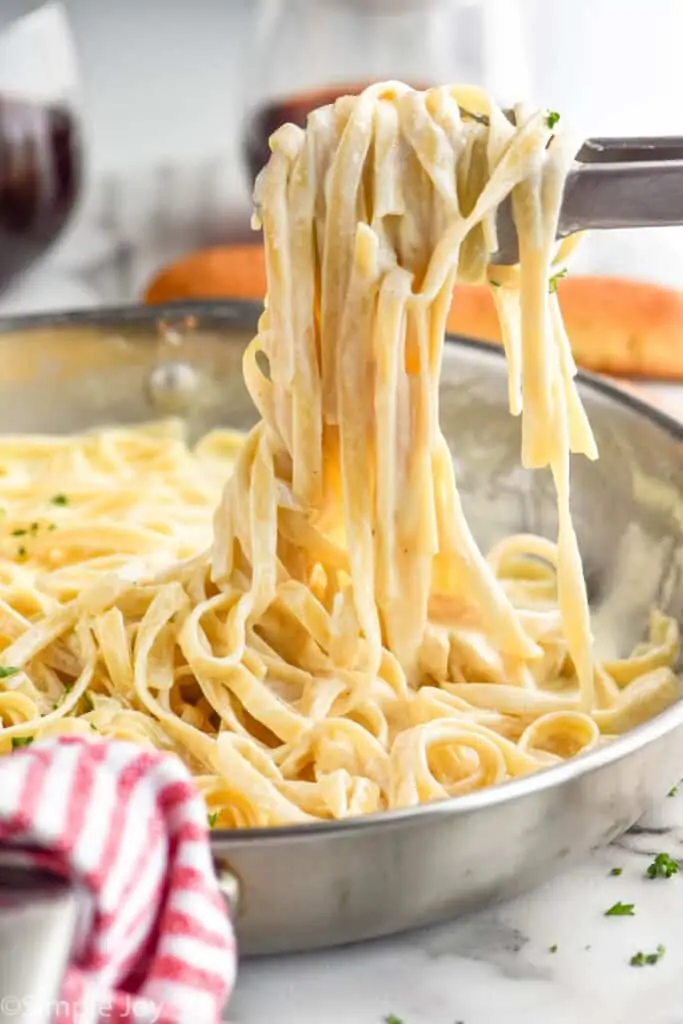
(301,888)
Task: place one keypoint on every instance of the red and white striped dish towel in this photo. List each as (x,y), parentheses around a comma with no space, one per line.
(128,826)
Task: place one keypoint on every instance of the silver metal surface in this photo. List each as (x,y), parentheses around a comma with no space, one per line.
(614,183)
(38,918)
(228,883)
(340,882)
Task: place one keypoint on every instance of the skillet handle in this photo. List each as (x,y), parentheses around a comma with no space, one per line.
(39,916)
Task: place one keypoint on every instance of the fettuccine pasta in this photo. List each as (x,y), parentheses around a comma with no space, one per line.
(333,642)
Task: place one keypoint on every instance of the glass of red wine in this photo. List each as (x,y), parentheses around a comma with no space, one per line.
(40,139)
(309,52)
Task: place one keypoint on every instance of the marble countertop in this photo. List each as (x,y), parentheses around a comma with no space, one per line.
(551,957)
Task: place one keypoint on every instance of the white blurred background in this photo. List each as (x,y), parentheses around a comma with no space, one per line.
(165,84)
(168,74)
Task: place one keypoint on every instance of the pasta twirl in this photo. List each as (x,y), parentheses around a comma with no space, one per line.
(333,642)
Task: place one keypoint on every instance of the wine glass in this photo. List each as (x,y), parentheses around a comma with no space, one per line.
(308,52)
(40,136)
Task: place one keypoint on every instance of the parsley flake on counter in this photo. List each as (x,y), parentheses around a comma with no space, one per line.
(553,948)
(7,671)
(212,818)
(673,791)
(552,118)
(391,1018)
(59,499)
(621,910)
(21,741)
(645,959)
(616,871)
(553,282)
(663,866)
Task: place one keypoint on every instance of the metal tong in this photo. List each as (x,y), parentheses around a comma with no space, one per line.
(614,183)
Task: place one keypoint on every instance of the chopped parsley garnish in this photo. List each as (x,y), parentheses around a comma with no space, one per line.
(621,910)
(673,791)
(19,533)
(7,671)
(494,284)
(21,741)
(33,529)
(59,499)
(553,948)
(663,866)
(552,284)
(21,552)
(87,702)
(52,526)
(552,118)
(67,691)
(212,818)
(643,959)
(616,871)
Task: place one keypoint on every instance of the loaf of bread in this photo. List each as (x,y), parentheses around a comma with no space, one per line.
(619,327)
(616,326)
(224,272)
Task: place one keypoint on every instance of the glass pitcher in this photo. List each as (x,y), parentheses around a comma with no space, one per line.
(308,52)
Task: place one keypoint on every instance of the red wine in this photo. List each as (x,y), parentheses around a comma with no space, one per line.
(290,109)
(40,170)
